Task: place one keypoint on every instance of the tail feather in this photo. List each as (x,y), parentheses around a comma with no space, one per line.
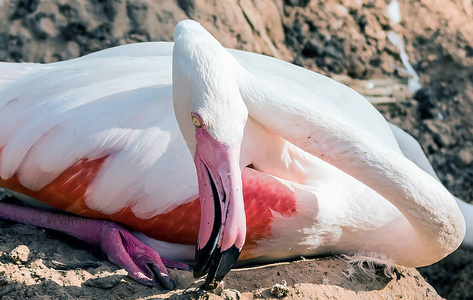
(367,263)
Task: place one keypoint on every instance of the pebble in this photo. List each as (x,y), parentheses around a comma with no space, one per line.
(464,158)
(280,290)
(231,295)
(107,280)
(20,254)
(46,28)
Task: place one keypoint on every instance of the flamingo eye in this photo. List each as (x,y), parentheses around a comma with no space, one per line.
(196,121)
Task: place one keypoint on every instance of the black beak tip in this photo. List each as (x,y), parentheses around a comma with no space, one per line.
(203,260)
(226,261)
(221,264)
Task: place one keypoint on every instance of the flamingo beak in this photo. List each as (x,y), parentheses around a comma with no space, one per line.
(223,223)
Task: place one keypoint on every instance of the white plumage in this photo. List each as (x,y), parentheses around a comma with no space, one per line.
(118,103)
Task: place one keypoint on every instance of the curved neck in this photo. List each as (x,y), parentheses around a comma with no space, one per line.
(431,210)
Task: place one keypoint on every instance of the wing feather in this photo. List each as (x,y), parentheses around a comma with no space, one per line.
(116,103)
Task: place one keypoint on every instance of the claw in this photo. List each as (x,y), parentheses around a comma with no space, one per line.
(141,278)
(142,262)
(164,279)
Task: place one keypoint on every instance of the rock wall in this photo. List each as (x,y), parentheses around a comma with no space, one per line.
(322,35)
(47,31)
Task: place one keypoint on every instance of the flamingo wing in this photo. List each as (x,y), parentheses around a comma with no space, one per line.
(103,106)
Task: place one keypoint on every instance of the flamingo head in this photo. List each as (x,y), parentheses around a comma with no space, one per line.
(212,117)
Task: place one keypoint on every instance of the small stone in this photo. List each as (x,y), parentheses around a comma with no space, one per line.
(231,295)
(340,11)
(432,57)
(280,290)
(20,254)
(46,27)
(38,264)
(314,47)
(464,158)
(41,26)
(73,49)
(106,280)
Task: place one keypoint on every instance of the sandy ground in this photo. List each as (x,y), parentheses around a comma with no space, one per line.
(40,264)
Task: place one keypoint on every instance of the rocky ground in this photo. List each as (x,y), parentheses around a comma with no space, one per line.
(335,38)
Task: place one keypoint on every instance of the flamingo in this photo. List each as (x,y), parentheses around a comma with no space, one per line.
(173,152)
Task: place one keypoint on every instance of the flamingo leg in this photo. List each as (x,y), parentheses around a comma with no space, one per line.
(142,263)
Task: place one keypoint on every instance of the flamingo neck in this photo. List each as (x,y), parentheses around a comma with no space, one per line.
(437,223)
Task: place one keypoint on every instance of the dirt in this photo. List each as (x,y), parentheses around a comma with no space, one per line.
(332,37)
(58,267)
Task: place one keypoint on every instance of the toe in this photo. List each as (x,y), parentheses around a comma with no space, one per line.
(142,263)
(164,279)
(139,277)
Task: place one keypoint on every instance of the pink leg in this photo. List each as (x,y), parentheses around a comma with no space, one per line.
(142,263)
